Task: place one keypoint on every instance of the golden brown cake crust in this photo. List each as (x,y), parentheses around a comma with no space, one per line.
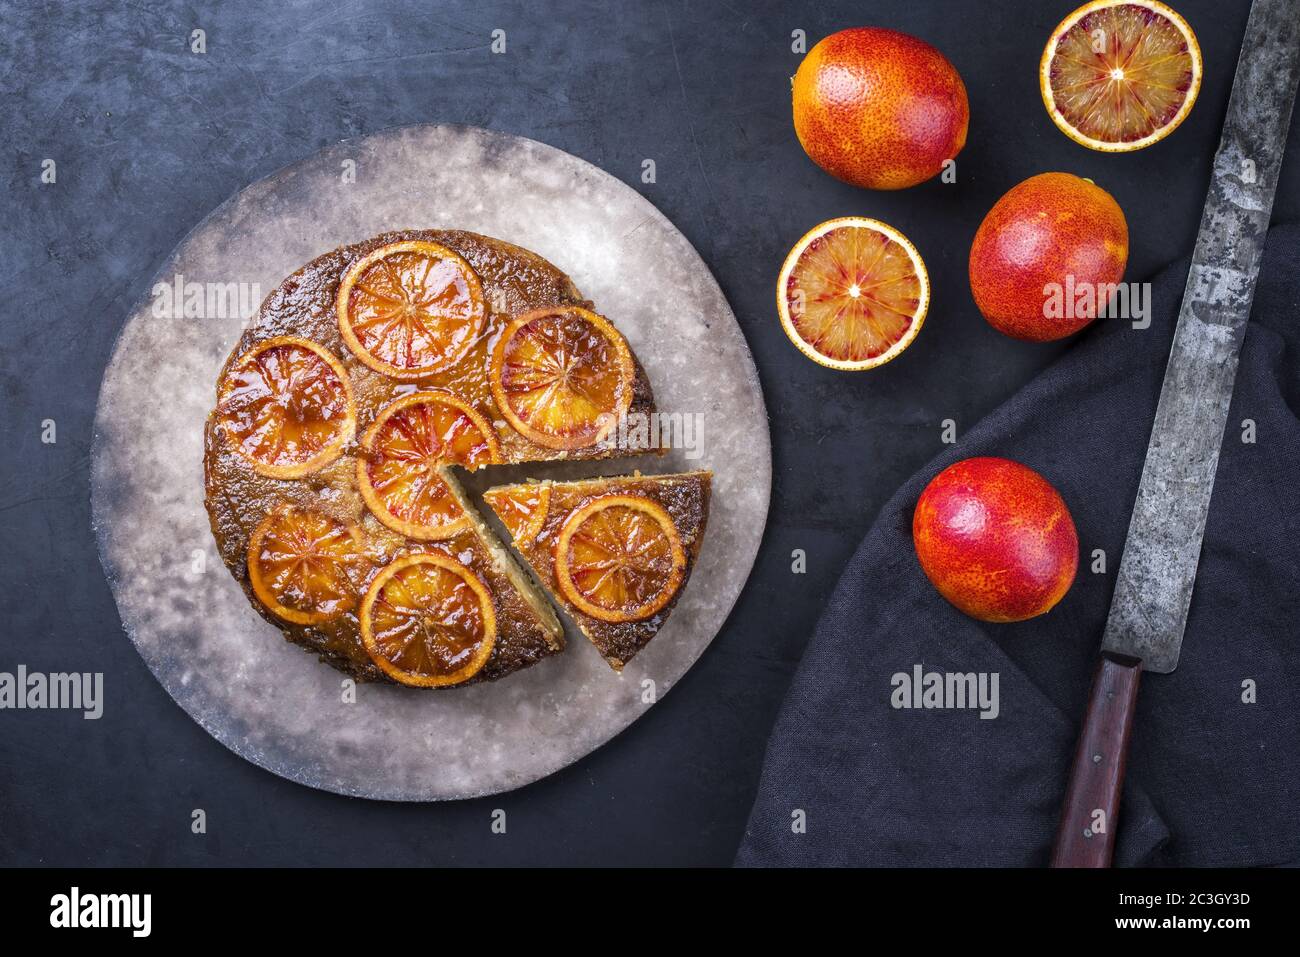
(514,279)
(237,498)
(685,497)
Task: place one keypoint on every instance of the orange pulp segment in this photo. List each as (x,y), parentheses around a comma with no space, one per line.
(286,407)
(428,621)
(521,508)
(1118,75)
(302,565)
(398,464)
(619,558)
(562,376)
(411,309)
(853,293)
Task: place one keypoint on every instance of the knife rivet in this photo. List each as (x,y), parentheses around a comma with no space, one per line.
(1096,759)
(1087,832)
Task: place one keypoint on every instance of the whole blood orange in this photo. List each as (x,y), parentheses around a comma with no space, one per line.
(1048,256)
(879,109)
(996,539)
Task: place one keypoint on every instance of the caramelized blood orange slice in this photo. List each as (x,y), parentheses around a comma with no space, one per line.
(619,558)
(400,455)
(1118,75)
(303,565)
(411,309)
(286,406)
(521,508)
(428,621)
(853,293)
(562,376)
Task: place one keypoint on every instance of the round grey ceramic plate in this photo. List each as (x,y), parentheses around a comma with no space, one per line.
(232,672)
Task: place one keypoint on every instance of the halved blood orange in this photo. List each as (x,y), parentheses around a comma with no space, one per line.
(304,565)
(286,406)
(428,621)
(619,558)
(562,376)
(521,508)
(853,293)
(411,309)
(1118,75)
(398,464)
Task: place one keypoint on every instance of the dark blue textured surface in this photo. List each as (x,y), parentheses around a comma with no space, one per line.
(1211,780)
(149,137)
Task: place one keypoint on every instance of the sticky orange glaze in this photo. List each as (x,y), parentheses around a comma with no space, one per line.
(684,497)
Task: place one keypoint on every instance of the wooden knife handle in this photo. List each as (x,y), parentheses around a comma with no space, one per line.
(1089,819)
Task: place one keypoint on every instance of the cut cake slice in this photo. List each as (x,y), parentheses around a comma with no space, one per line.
(614,552)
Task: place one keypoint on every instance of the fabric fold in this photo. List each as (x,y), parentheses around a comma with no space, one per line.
(851,779)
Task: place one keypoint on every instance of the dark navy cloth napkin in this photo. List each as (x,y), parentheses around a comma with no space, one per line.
(1212,780)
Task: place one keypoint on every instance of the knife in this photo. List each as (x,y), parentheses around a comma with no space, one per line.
(1153,589)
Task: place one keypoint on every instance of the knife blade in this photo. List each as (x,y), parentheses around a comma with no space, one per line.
(1153,588)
